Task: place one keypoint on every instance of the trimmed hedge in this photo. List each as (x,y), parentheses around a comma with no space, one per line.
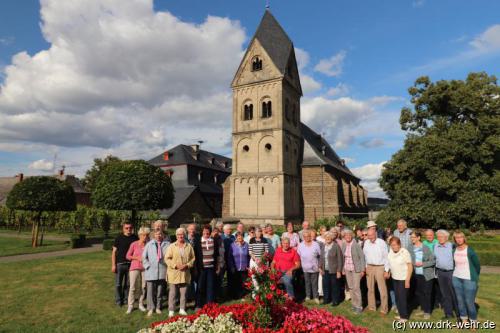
(77,241)
(107,244)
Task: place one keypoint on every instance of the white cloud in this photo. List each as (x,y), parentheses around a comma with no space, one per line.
(340,89)
(384,100)
(309,84)
(119,77)
(42,165)
(302,58)
(418,3)
(349,160)
(369,174)
(372,143)
(6,40)
(489,40)
(331,66)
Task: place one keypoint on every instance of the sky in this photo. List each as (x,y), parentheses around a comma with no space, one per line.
(84,79)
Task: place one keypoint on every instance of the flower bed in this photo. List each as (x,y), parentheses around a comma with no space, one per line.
(270,311)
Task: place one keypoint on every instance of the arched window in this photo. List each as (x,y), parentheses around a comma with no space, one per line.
(248,112)
(246,148)
(256,64)
(267,110)
(268,147)
(249,191)
(262,190)
(287,111)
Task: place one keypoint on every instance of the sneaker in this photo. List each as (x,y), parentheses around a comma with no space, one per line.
(307,299)
(419,313)
(347,296)
(427,316)
(158,311)
(171,314)
(129,309)
(397,317)
(182,312)
(142,308)
(316,300)
(357,310)
(150,313)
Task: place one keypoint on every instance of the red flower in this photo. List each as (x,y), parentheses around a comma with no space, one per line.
(273,287)
(269,296)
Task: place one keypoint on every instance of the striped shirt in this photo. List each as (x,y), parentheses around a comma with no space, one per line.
(348,264)
(207,249)
(257,248)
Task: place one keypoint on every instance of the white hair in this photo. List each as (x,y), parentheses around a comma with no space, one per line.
(180,230)
(227,227)
(402,221)
(144,231)
(328,234)
(347,231)
(444,232)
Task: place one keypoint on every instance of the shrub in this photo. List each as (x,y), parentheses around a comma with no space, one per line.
(107,244)
(77,241)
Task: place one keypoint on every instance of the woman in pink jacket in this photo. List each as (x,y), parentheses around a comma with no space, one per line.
(136,272)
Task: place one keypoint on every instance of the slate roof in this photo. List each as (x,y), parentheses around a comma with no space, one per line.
(180,196)
(313,152)
(184,154)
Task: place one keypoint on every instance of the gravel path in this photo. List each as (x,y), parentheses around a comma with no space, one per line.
(43,255)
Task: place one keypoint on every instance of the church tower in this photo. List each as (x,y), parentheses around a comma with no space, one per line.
(265,185)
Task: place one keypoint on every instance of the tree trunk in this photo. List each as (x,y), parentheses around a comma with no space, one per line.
(133,219)
(41,237)
(37,230)
(33,226)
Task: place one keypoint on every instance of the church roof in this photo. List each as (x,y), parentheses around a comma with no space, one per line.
(184,154)
(314,145)
(274,40)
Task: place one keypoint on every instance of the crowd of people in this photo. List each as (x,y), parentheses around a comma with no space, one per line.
(329,266)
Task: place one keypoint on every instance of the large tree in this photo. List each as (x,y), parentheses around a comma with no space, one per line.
(447,173)
(133,186)
(41,194)
(93,173)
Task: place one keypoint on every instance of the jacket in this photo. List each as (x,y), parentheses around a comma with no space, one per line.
(154,269)
(474,265)
(357,255)
(428,262)
(173,257)
(334,257)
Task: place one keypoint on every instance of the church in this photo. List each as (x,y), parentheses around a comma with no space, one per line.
(281,169)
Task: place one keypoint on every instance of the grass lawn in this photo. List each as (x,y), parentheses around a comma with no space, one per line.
(75,294)
(12,246)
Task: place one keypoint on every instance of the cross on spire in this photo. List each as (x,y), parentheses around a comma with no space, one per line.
(268,4)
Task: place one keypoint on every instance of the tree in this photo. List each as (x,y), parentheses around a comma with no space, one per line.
(41,194)
(447,173)
(132,186)
(93,173)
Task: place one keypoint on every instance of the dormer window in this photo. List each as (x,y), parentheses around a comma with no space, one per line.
(267,111)
(226,164)
(256,64)
(248,112)
(200,176)
(216,179)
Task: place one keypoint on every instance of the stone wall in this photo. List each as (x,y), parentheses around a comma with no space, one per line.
(320,193)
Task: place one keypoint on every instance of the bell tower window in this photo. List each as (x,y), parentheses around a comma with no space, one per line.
(248,112)
(267,111)
(256,64)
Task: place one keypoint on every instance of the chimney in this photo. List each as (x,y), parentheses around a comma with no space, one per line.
(342,161)
(165,156)
(323,150)
(61,172)
(20,176)
(195,148)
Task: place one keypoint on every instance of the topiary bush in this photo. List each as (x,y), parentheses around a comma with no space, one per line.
(107,244)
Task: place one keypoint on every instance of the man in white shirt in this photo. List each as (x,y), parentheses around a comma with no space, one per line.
(377,270)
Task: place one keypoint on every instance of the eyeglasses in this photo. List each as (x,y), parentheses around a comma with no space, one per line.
(128,228)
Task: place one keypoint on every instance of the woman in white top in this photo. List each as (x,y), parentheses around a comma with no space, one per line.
(291,235)
(401,268)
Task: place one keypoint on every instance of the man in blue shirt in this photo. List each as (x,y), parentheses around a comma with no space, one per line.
(443,251)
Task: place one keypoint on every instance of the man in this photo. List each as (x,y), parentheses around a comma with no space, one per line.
(305,226)
(429,240)
(227,239)
(443,251)
(380,232)
(377,270)
(340,226)
(286,260)
(207,268)
(404,234)
(240,227)
(119,263)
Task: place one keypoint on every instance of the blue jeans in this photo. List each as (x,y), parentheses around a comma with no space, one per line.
(466,291)
(206,287)
(288,283)
(331,288)
(121,283)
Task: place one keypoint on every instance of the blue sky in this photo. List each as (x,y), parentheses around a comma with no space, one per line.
(87,79)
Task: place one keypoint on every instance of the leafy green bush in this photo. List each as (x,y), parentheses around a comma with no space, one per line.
(107,244)
(77,241)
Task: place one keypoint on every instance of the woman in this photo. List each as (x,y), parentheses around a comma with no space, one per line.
(258,248)
(155,270)
(207,267)
(354,269)
(309,252)
(322,232)
(336,236)
(179,259)
(465,277)
(401,270)
(286,260)
(250,235)
(423,262)
(291,235)
(136,273)
(331,262)
(239,260)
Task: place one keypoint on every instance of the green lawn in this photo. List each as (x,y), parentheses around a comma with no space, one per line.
(12,246)
(75,294)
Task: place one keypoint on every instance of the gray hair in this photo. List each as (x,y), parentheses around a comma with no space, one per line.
(328,234)
(144,231)
(227,226)
(347,231)
(444,232)
(285,239)
(219,223)
(180,230)
(403,221)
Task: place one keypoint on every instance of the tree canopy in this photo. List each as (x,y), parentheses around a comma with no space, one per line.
(42,194)
(132,185)
(447,173)
(93,173)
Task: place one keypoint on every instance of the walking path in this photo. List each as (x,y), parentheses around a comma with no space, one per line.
(43,255)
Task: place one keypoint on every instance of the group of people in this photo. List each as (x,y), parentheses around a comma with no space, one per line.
(336,264)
